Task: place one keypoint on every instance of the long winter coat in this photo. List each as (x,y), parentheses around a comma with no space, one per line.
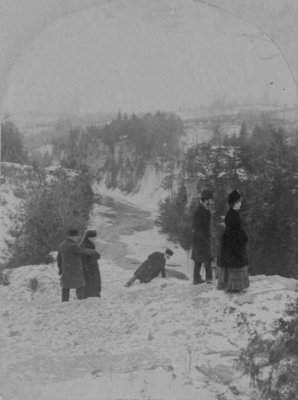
(232,250)
(70,263)
(152,267)
(201,250)
(91,271)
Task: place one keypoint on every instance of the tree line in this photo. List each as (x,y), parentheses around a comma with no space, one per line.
(151,136)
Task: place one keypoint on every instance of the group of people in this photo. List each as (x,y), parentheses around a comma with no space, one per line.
(78,266)
(232,261)
(78,262)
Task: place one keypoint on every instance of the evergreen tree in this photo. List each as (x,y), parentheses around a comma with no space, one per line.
(243,134)
(175,218)
(12,147)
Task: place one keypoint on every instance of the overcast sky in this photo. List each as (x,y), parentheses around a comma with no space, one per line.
(140,56)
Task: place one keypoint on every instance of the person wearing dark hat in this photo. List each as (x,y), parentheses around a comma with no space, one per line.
(152,267)
(201,249)
(70,264)
(90,267)
(232,259)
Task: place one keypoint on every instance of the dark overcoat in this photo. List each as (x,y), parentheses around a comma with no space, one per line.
(70,263)
(91,271)
(152,267)
(201,248)
(232,249)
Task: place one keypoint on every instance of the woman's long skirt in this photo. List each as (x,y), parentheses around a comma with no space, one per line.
(233,279)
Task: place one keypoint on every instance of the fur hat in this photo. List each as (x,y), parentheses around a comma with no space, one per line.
(233,197)
(169,251)
(206,195)
(72,232)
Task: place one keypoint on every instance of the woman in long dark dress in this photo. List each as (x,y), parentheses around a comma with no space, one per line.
(91,268)
(232,258)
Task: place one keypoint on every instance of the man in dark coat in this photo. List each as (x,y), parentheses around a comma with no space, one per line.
(152,267)
(201,251)
(90,267)
(70,265)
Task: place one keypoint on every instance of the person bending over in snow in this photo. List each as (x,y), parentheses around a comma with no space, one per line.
(151,267)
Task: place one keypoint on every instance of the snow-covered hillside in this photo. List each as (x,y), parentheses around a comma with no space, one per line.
(166,340)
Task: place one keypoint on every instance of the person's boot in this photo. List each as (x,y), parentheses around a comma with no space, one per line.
(198,281)
(130,282)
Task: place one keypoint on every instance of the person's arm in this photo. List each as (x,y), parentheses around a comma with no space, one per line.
(196,222)
(59,263)
(163,271)
(89,252)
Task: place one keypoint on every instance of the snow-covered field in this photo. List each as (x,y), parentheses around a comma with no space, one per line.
(166,340)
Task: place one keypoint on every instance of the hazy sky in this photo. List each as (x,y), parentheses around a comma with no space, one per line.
(137,55)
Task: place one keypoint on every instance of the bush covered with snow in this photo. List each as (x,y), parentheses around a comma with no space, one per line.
(272,362)
(52,205)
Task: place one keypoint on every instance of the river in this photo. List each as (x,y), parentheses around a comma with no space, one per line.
(119,219)
(119,223)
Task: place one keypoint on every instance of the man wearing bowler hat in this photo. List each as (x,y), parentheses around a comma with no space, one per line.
(152,267)
(201,250)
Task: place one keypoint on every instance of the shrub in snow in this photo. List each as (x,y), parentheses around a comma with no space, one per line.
(33,284)
(4,279)
(12,147)
(273,364)
(50,208)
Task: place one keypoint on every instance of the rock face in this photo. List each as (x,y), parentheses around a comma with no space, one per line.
(118,166)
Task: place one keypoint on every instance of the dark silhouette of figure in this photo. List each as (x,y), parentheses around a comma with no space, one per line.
(201,250)
(152,267)
(90,267)
(232,257)
(70,265)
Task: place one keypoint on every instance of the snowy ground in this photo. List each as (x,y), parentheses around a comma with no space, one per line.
(166,340)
